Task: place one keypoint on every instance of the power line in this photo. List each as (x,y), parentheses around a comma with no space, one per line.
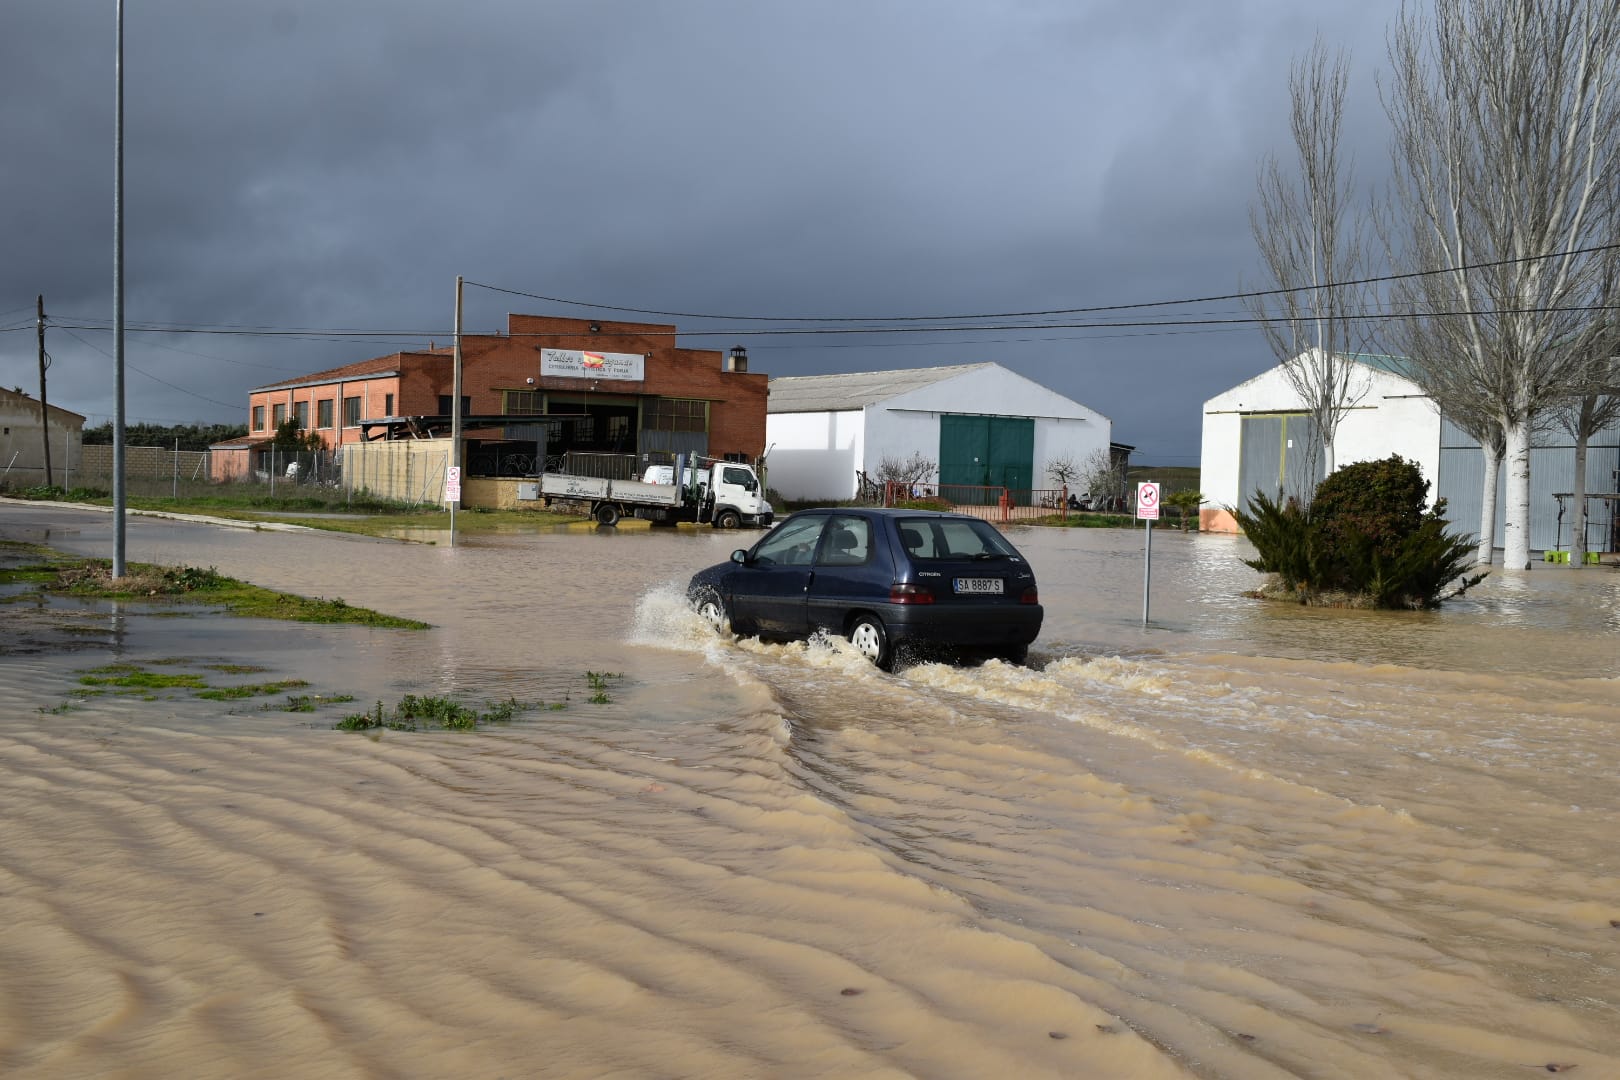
(1053,311)
(148,374)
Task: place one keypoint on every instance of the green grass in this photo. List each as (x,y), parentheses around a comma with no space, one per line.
(72,576)
(236,693)
(128,676)
(433,713)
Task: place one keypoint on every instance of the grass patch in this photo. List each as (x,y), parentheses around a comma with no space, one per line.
(144,581)
(236,693)
(598,682)
(128,676)
(308,703)
(433,713)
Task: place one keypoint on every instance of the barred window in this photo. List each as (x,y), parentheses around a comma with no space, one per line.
(323,413)
(676,414)
(520,402)
(351,412)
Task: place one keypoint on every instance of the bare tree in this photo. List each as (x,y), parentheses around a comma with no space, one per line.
(1506,127)
(1596,407)
(916,469)
(1102,477)
(1063,471)
(1311,240)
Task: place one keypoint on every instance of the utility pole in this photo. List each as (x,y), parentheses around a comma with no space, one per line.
(118,301)
(44,413)
(455,419)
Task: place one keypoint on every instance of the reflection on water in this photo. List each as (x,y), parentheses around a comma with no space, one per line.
(1248,840)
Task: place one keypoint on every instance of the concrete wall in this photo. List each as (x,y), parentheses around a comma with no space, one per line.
(408,470)
(814,455)
(22,449)
(151,462)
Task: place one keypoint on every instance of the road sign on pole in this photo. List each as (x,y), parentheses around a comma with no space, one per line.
(1147,500)
(1147,508)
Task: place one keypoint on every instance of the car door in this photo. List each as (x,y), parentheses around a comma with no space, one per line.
(851,571)
(769,592)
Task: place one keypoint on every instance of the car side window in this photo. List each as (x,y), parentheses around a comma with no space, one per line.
(848,542)
(792,544)
(917,538)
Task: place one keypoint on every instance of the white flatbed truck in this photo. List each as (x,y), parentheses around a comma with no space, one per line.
(725,494)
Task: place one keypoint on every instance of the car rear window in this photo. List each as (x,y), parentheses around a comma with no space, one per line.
(951,538)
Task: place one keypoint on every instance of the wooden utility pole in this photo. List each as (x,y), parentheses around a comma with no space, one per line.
(44,412)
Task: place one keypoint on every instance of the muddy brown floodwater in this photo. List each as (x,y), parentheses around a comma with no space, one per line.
(1247,841)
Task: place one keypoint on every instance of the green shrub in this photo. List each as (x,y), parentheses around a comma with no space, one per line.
(1365,535)
(924,504)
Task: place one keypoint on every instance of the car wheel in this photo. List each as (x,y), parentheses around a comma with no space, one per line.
(866,633)
(1018,657)
(713,611)
(607,514)
(727,519)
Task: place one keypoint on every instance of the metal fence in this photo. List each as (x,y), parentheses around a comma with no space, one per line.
(998,504)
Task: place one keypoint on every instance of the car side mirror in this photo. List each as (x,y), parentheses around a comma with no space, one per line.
(740,557)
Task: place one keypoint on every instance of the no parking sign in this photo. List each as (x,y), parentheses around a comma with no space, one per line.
(1147,500)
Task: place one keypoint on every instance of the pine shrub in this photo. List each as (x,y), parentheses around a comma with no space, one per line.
(1365,535)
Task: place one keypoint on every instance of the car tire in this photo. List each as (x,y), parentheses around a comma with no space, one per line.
(727,519)
(1018,657)
(607,514)
(871,640)
(712,610)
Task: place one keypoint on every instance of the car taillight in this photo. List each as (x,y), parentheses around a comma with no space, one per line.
(1030,596)
(910,593)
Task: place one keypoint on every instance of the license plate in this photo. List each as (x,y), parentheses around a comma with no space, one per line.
(978,585)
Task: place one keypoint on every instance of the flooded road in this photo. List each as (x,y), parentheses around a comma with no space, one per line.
(1246,841)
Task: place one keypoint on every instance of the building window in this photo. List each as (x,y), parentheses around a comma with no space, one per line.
(258,418)
(301,411)
(388,404)
(323,413)
(279,413)
(521,402)
(676,414)
(351,412)
(444,405)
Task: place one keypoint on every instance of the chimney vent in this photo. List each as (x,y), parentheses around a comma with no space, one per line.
(737,359)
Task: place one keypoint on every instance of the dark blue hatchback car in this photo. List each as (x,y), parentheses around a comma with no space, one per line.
(889,580)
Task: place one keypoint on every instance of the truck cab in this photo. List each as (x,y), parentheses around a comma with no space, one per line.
(733,497)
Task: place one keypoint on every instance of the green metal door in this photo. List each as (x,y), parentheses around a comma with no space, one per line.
(986,451)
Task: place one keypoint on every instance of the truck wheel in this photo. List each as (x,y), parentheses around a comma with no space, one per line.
(607,514)
(727,519)
(866,633)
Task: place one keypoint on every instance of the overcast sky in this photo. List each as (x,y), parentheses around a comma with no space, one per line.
(335,164)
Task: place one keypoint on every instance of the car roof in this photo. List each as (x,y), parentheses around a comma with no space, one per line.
(882,512)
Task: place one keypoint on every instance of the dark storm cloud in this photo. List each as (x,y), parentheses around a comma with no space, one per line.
(338,163)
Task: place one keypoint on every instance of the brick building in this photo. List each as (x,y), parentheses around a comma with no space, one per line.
(547,386)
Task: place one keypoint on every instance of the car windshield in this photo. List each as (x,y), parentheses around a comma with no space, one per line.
(952,538)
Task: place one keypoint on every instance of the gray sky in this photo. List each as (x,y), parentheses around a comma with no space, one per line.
(334,164)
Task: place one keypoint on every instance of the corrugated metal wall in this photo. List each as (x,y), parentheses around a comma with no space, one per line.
(1274,456)
(1552,470)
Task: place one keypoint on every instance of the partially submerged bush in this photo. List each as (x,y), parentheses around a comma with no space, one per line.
(1365,537)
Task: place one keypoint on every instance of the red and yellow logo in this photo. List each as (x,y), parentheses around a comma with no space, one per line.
(594,360)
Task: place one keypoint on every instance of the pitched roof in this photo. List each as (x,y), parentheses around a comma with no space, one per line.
(382,365)
(856,390)
(22,396)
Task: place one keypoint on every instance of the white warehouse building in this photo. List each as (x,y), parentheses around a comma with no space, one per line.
(1255,436)
(981,424)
